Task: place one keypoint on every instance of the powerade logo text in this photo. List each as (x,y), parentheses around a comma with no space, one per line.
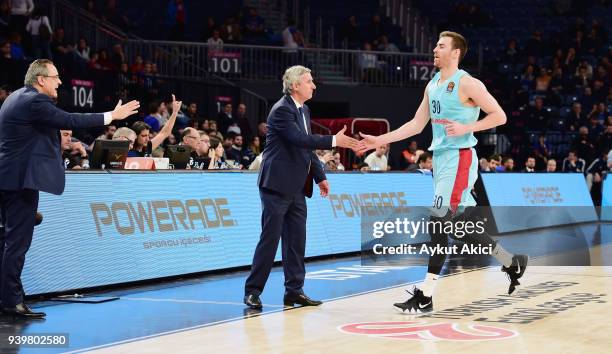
(371,204)
(127,218)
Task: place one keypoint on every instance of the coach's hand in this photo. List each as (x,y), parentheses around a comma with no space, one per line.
(345,141)
(126,110)
(324,188)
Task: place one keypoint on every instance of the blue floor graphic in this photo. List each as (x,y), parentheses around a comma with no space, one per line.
(178,305)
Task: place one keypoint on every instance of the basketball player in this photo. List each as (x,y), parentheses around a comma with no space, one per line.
(453,100)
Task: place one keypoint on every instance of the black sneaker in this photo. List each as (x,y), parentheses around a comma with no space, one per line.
(417,302)
(516,270)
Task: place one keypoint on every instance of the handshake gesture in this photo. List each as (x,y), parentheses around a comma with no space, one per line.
(367,143)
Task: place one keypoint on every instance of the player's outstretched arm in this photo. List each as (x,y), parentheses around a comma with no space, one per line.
(411,128)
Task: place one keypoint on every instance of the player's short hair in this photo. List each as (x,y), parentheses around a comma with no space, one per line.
(38,67)
(458,42)
(292,76)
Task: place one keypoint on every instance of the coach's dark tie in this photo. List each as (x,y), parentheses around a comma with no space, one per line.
(308,184)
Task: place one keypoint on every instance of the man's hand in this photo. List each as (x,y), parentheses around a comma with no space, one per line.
(368,142)
(126,110)
(456,128)
(345,141)
(324,188)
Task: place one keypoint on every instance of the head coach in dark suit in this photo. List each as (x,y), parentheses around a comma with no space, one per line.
(30,161)
(285,178)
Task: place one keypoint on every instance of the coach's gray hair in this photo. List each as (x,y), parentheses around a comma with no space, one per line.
(292,76)
(37,68)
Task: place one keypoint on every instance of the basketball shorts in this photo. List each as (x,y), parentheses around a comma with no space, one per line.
(454,171)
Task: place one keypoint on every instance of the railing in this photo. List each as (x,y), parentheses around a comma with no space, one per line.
(558,143)
(416,28)
(79,23)
(265,63)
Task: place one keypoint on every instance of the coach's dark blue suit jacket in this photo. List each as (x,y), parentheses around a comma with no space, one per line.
(288,154)
(30,156)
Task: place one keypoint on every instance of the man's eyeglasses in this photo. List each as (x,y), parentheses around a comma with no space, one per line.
(53,76)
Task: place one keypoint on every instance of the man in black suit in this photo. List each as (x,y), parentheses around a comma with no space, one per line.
(285,179)
(30,161)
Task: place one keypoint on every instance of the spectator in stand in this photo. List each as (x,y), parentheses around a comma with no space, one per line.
(125,133)
(408,158)
(572,163)
(144,145)
(385,46)
(338,162)
(210,27)
(192,113)
(376,28)
(368,64)
(290,43)
(40,31)
(109,132)
(118,57)
(214,131)
(508,164)
(577,117)
(527,78)
(538,116)
(138,66)
(255,146)
(243,122)
(542,82)
(82,49)
(583,145)
(74,154)
(551,165)
(377,160)
(202,159)
(535,45)
(230,31)
(599,113)
(16,48)
(512,52)
(423,165)
(225,118)
(596,128)
(253,25)
(5,90)
(215,43)
(350,33)
(604,142)
(530,165)
(494,162)
(104,61)
(262,131)
(542,151)
(191,138)
(154,119)
(218,158)
(20,11)
(241,155)
(571,61)
(586,99)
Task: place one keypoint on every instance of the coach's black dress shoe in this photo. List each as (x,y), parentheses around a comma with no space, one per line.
(22,311)
(300,299)
(252,301)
